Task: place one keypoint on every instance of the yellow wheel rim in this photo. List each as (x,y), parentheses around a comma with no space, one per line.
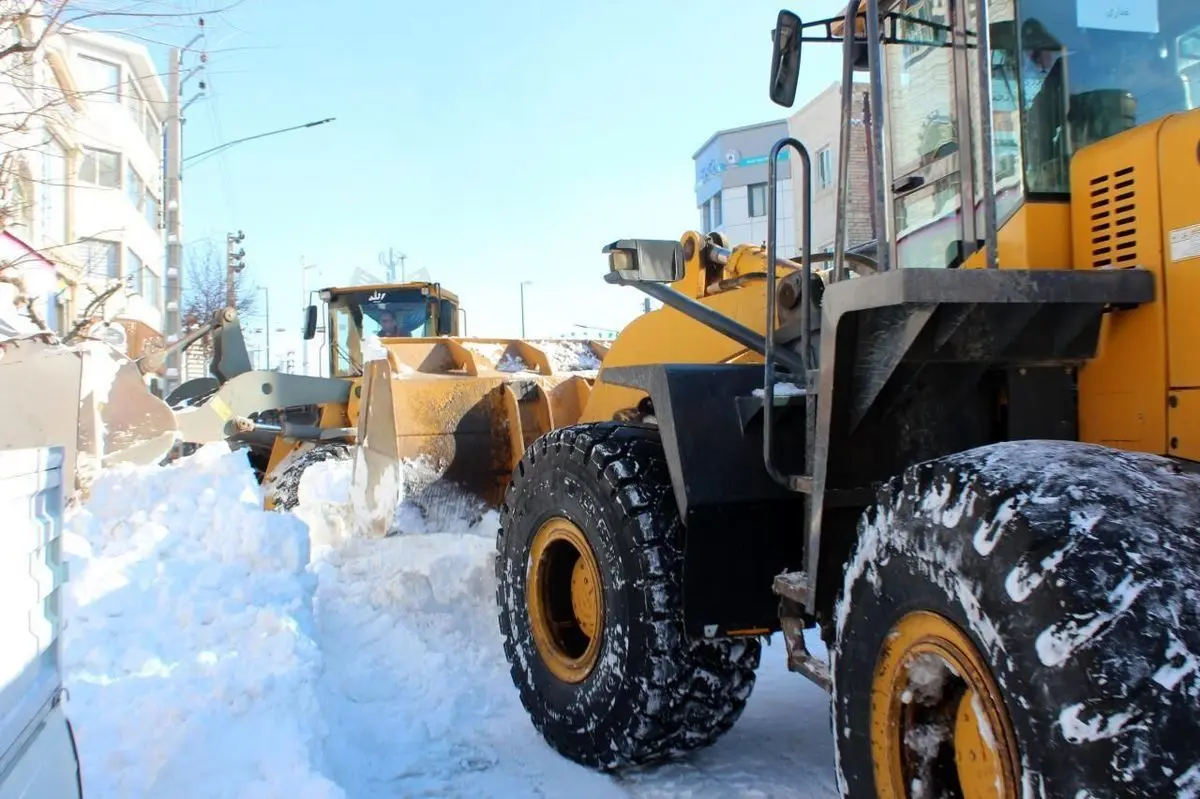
(565,599)
(937,716)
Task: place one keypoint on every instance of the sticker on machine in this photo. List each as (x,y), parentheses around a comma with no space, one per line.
(1131,16)
(1185,243)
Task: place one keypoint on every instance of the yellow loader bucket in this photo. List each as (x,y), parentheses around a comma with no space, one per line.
(89,399)
(464,410)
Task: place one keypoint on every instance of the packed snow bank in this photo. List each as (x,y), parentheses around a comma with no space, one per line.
(212,650)
(188,653)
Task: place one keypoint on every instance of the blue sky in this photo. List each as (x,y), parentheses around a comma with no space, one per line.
(492,142)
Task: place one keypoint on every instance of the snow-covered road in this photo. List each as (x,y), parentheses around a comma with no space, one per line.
(215,650)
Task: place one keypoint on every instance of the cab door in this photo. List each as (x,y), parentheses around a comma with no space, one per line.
(928,134)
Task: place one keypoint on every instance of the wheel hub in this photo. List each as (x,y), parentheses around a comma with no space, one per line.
(565,600)
(939,726)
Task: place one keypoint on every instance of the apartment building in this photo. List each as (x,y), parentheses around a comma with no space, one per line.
(80,176)
(118,170)
(731,186)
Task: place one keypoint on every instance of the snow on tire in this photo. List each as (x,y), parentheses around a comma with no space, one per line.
(652,694)
(1075,571)
(283,485)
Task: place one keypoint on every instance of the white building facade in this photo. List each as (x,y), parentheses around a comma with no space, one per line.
(731,186)
(118,176)
(80,176)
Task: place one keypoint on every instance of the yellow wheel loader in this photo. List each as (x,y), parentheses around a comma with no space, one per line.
(968,459)
(404,387)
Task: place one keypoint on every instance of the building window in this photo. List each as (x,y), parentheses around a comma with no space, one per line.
(139,194)
(53,190)
(143,116)
(100,80)
(717,217)
(134,272)
(706,217)
(101,168)
(824,168)
(152,129)
(151,210)
(101,258)
(20,202)
(756,196)
(153,289)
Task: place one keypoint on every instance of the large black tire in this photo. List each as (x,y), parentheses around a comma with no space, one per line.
(1075,571)
(654,694)
(283,486)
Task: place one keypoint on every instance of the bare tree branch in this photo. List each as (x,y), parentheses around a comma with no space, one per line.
(205,286)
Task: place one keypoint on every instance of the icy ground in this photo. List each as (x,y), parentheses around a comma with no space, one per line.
(216,650)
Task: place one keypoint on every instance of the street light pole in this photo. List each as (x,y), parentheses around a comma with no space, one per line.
(267,292)
(303,309)
(524,283)
(228,144)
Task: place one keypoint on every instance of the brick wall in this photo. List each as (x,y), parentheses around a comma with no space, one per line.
(818,126)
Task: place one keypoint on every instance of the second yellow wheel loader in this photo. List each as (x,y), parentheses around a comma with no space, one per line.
(969,458)
(403,386)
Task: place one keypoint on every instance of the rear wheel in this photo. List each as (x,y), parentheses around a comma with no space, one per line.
(590,602)
(1023,620)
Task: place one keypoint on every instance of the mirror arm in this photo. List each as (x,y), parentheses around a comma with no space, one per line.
(889,37)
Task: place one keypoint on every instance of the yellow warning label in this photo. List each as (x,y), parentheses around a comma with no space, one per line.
(222,409)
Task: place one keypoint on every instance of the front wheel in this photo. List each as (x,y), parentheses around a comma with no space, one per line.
(1022,620)
(590,567)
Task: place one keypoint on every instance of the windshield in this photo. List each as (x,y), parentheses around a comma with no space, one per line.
(1090,70)
(382,314)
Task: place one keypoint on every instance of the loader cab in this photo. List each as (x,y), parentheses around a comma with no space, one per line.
(369,313)
(1063,76)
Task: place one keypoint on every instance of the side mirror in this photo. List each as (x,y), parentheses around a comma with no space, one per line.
(644,261)
(310,322)
(785,58)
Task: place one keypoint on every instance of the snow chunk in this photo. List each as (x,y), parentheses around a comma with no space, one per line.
(1180,664)
(1059,641)
(781,390)
(988,533)
(1097,727)
(188,641)
(927,675)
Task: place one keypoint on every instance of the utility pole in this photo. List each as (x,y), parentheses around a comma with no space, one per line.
(172,169)
(524,283)
(235,262)
(389,260)
(267,305)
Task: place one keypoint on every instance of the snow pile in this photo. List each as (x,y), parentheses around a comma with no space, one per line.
(212,651)
(415,686)
(417,692)
(563,355)
(188,652)
(566,355)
